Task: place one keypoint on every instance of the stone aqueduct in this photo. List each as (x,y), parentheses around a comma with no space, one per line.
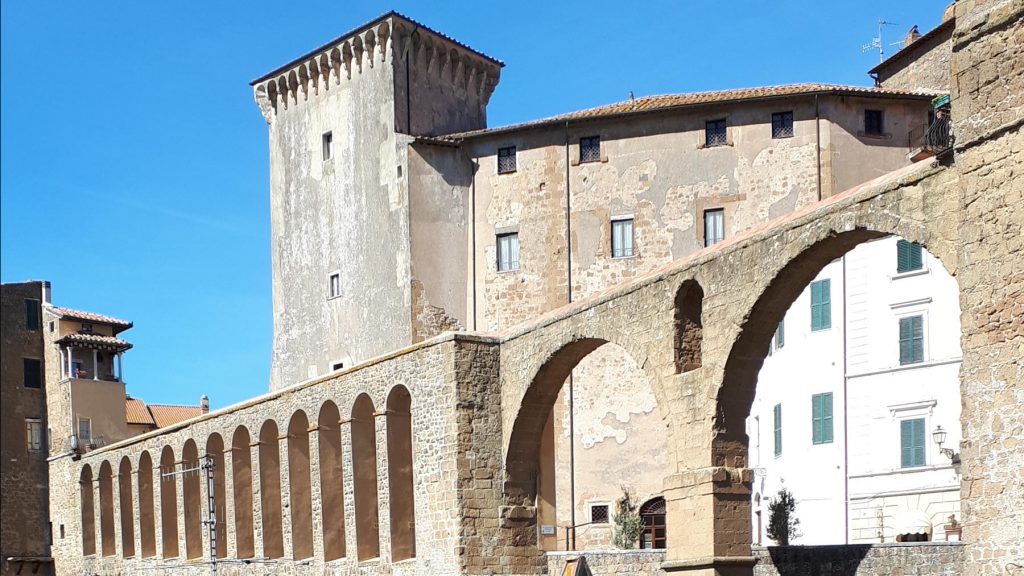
(424,461)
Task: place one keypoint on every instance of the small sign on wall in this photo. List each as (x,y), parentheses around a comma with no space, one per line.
(547,530)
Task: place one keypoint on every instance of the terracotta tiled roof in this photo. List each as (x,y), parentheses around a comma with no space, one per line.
(166,415)
(671,101)
(91,317)
(96,341)
(136,412)
(366,26)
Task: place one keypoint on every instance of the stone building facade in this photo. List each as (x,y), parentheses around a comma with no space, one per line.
(456,423)
(25,530)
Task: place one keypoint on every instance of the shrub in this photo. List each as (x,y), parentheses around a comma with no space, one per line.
(628,524)
(782,520)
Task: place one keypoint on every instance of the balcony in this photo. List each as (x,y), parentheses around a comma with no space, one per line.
(936,138)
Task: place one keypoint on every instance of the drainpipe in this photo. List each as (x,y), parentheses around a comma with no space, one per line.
(472,226)
(817,148)
(846,418)
(568,276)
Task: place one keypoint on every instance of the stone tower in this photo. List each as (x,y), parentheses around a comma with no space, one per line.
(341,120)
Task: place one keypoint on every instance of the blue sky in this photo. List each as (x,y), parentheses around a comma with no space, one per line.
(134,162)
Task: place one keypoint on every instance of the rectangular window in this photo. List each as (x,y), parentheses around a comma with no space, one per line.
(85,328)
(777,414)
(782,125)
(821,305)
(780,334)
(874,122)
(506,160)
(714,133)
(911,340)
(31,314)
(508,252)
(908,257)
(34,434)
(327,140)
(714,226)
(821,418)
(622,238)
(334,285)
(33,373)
(85,430)
(912,443)
(599,513)
(590,149)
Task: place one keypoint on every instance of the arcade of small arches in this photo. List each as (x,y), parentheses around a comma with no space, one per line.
(153,483)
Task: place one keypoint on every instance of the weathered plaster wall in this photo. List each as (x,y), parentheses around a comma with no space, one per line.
(439,214)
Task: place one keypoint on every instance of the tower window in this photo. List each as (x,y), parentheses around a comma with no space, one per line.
(33,373)
(334,285)
(506,160)
(34,434)
(327,140)
(31,314)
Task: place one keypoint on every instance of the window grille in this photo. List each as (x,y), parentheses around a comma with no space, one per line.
(599,513)
(508,252)
(622,238)
(714,226)
(911,340)
(714,133)
(821,418)
(874,123)
(506,160)
(782,125)
(912,443)
(821,305)
(908,257)
(590,149)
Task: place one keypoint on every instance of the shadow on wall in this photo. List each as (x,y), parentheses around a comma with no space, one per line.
(816,560)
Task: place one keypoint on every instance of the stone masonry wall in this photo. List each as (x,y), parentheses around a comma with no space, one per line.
(920,559)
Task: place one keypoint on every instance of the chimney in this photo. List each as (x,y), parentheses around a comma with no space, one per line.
(912,36)
(47,294)
(204,404)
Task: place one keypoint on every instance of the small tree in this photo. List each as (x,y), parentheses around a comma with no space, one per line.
(628,524)
(782,520)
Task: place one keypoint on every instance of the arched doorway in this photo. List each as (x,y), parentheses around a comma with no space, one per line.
(588,430)
(847,364)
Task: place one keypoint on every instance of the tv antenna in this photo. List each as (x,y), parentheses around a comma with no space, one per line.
(876,42)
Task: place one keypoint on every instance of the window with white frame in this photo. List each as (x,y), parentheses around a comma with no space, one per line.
(508,251)
(714,226)
(85,430)
(622,237)
(34,434)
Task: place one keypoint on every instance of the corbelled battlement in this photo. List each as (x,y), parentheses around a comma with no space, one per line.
(391,38)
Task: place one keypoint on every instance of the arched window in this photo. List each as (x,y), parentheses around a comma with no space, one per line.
(652,514)
(88,513)
(147,525)
(270,490)
(241,470)
(215,450)
(332,489)
(689,326)
(192,500)
(364,472)
(400,483)
(124,486)
(300,493)
(168,504)
(107,541)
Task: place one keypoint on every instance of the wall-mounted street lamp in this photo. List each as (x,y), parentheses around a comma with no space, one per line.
(939,435)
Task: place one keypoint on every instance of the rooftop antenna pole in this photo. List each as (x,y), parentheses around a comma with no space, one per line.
(876,42)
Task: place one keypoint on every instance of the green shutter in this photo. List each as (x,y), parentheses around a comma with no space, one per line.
(911,340)
(816,418)
(780,334)
(821,418)
(778,429)
(908,256)
(912,443)
(826,420)
(821,304)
